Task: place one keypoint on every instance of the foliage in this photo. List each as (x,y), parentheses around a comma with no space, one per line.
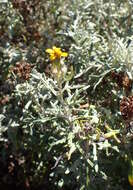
(66,94)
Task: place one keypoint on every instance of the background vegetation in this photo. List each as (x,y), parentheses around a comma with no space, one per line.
(67,123)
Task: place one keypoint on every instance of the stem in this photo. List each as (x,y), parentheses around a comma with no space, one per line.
(62,101)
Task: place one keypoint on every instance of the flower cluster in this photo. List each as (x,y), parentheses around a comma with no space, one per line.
(126,107)
(56,53)
(122,79)
(22,70)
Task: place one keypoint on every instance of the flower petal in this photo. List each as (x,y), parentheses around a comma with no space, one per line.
(52,57)
(50,51)
(56,49)
(64,54)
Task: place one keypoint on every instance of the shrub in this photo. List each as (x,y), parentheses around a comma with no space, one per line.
(66,94)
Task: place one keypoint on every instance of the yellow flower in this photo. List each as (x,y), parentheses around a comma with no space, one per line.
(130,179)
(56,53)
